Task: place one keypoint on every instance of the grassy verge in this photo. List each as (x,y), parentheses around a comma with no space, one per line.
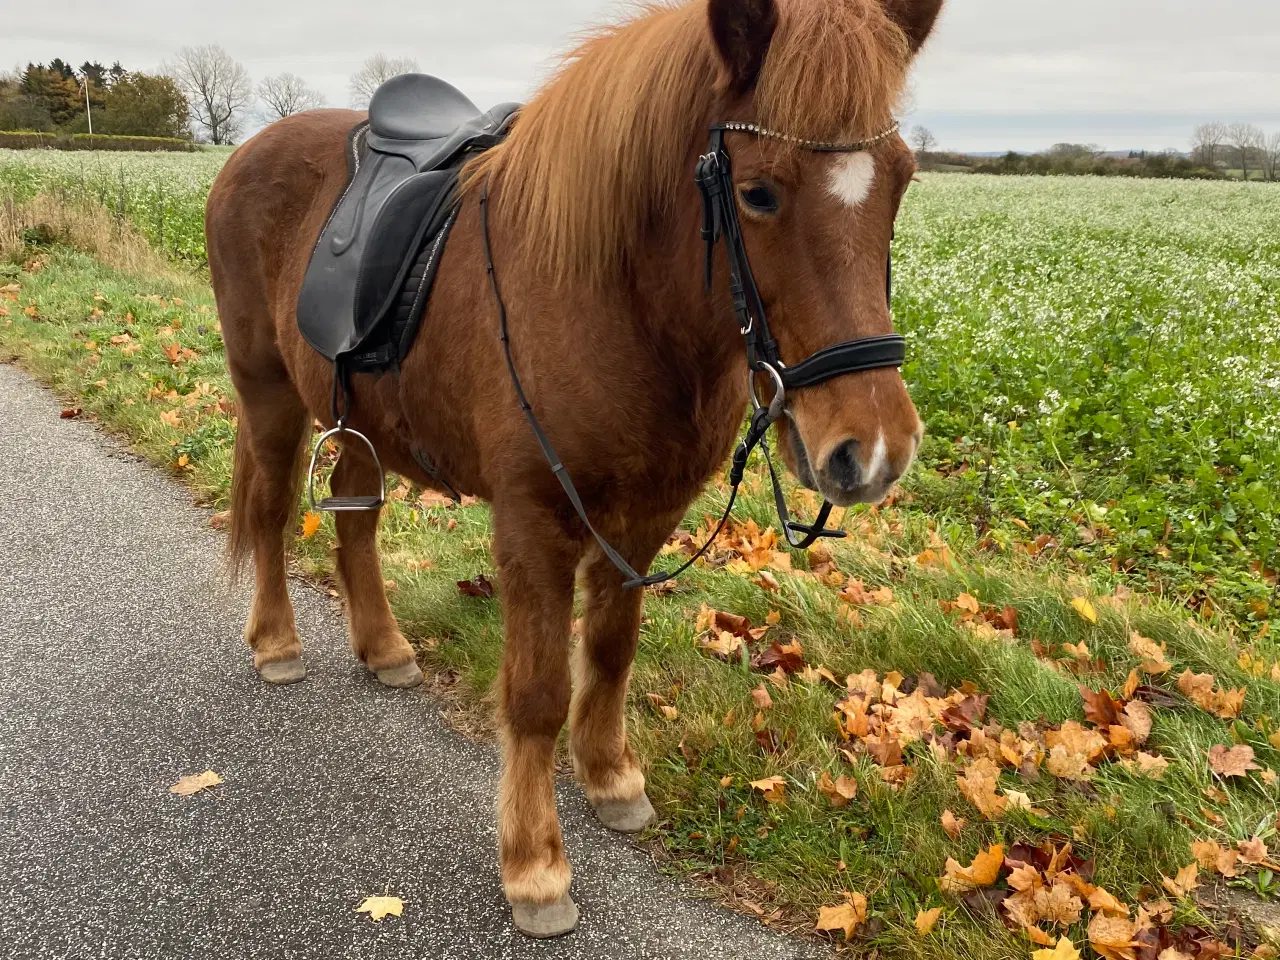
(804,745)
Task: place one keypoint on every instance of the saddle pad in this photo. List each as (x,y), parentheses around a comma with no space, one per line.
(373,267)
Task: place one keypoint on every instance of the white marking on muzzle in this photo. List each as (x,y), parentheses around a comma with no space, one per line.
(879,456)
(851,178)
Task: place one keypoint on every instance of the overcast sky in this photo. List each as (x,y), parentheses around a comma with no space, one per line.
(999,74)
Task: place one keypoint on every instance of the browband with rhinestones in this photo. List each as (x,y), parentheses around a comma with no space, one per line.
(809,144)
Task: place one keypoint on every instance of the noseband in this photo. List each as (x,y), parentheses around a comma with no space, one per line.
(714,176)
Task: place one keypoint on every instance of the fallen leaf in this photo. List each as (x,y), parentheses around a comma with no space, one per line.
(983,872)
(1064,950)
(847,916)
(1100,708)
(310,524)
(774,789)
(1154,660)
(1103,901)
(978,783)
(952,824)
(171,417)
(1253,851)
(1181,885)
(761,697)
(1235,762)
(478,586)
(1085,609)
(1112,937)
(926,920)
(195,782)
(838,792)
(71,413)
(379,907)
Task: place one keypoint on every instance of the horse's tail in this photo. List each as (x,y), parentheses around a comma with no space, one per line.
(240,532)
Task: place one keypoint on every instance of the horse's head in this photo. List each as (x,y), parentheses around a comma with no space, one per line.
(818,225)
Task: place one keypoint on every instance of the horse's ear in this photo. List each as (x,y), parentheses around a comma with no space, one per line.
(742,30)
(915,17)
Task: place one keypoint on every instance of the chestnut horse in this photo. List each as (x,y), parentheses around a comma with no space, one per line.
(633,366)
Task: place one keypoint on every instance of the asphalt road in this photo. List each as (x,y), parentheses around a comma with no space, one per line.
(122,668)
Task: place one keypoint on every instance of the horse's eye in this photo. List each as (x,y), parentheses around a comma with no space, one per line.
(759,197)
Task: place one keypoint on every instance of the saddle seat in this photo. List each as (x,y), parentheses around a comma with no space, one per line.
(374,264)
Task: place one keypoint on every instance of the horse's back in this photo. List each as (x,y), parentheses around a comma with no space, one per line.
(264,212)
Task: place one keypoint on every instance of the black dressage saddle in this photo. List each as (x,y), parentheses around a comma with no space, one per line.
(373,267)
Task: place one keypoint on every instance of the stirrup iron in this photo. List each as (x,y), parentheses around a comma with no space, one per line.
(345,504)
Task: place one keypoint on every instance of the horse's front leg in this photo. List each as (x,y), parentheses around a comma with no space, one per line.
(536,563)
(602,758)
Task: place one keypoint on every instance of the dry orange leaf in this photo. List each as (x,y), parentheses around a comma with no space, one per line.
(1252,851)
(761,697)
(952,824)
(926,920)
(195,782)
(1181,885)
(1102,901)
(983,872)
(847,916)
(1153,656)
(839,791)
(1234,762)
(774,789)
(1112,937)
(978,783)
(1064,950)
(310,524)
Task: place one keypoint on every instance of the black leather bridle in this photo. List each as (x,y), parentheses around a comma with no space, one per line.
(714,176)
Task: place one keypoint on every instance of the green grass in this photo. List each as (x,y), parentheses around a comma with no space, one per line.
(960,272)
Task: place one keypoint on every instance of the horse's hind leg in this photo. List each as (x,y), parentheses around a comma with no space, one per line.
(272,425)
(375,638)
(602,758)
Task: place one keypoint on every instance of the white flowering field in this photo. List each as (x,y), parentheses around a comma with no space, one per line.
(1098,360)
(163,194)
(1101,360)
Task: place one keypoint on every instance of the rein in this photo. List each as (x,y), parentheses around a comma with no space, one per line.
(714,176)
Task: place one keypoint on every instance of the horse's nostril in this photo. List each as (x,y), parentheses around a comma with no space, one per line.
(843,465)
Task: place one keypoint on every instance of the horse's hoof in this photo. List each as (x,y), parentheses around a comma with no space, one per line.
(402,677)
(542,922)
(283,672)
(630,816)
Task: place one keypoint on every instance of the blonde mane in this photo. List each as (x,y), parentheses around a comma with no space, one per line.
(600,155)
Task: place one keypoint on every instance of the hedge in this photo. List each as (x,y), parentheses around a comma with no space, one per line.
(24,140)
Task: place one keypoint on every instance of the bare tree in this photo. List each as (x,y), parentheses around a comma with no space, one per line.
(1206,141)
(287,94)
(923,140)
(373,73)
(1245,138)
(1271,157)
(217,87)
